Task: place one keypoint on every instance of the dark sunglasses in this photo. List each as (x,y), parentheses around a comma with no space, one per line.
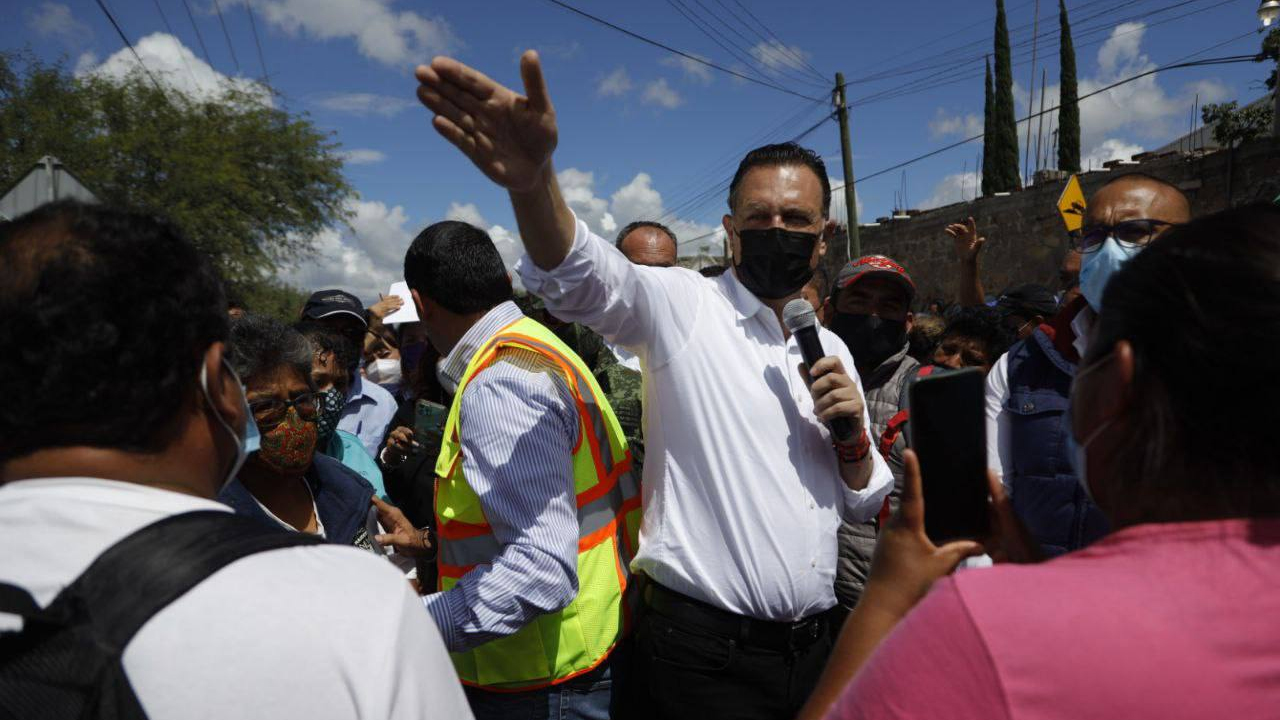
(1130,233)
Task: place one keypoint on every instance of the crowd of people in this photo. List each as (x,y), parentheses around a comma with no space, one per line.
(628,493)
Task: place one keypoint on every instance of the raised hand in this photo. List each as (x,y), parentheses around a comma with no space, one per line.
(509,136)
(968,243)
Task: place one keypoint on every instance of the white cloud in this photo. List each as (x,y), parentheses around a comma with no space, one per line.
(578,187)
(362,156)
(381,32)
(615,84)
(637,200)
(366,103)
(172,64)
(958,187)
(1107,150)
(54,20)
(693,70)
(965,126)
(659,93)
(364,258)
(87,61)
(508,243)
(777,56)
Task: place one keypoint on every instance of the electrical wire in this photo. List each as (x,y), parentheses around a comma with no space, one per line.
(783,70)
(254,26)
(711,34)
(199,37)
(165,19)
(778,40)
(111,18)
(681,53)
(1172,66)
(222,21)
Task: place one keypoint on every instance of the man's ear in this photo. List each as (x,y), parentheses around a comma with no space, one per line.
(911,320)
(735,248)
(826,313)
(225,393)
(828,231)
(417,303)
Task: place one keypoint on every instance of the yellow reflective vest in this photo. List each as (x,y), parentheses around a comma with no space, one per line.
(561,645)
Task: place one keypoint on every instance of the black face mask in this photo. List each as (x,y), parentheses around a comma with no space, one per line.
(871,339)
(774,263)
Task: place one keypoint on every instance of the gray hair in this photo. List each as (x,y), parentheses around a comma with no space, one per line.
(260,344)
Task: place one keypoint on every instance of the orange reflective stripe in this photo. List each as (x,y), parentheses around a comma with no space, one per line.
(587,542)
(458,530)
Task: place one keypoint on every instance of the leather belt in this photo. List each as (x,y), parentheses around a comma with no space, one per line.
(768,634)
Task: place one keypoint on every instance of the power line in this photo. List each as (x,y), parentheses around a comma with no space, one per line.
(712,33)
(164,18)
(681,53)
(125,39)
(1199,63)
(781,44)
(786,69)
(254,26)
(204,49)
(222,21)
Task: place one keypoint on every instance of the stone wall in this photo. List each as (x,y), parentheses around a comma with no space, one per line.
(1026,239)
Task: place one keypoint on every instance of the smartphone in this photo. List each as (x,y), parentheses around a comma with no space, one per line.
(428,426)
(948,434)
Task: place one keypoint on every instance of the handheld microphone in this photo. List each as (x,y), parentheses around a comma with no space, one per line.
(798,316)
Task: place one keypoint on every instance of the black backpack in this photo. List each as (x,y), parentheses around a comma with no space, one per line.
(67,661)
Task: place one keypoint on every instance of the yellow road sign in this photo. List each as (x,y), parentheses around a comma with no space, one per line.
(1071,204)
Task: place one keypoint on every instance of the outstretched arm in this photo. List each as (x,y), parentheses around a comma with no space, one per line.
(510,138)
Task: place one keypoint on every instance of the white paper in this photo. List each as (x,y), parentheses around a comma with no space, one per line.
(407,312)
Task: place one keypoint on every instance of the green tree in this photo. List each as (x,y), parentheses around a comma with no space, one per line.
(247,183)
(1068,98)
(988,133)
(1233,125)
(1004,144)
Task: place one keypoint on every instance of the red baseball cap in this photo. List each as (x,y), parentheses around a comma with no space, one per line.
(874,266)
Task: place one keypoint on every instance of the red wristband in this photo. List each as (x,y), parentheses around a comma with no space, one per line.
(855,451)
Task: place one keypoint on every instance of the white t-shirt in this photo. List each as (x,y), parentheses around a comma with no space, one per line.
(307,632)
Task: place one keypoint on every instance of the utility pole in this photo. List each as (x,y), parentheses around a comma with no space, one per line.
(1044,78)
(853,245)
(1031,93)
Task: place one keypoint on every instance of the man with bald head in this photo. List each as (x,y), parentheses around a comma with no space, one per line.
(1028,389)
(648,243)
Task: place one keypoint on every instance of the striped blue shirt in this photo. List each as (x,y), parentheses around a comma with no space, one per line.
(519,426)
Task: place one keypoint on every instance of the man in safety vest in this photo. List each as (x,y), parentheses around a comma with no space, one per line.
(536,506)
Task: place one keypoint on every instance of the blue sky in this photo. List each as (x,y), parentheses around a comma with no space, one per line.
(642,132)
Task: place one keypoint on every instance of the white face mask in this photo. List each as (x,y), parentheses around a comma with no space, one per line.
(244,445)
(384,371)
(1098,266)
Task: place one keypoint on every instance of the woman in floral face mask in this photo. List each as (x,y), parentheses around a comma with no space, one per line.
(286,482)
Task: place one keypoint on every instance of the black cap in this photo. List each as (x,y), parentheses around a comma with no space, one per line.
(327,303)
(1028,300)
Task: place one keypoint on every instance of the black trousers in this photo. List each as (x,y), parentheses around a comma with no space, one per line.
(696,662)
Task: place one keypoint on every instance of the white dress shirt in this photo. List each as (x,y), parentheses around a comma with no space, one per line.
(324,631)
(999,436)
(742,490)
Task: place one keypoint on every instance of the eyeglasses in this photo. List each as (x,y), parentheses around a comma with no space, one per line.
(270,413)
(1130,233)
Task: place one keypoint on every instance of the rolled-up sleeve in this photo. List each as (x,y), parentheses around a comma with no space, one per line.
(519,427)
(650,311)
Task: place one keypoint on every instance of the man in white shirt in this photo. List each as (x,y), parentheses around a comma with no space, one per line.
(122,412)
(1028,388)
(743,490)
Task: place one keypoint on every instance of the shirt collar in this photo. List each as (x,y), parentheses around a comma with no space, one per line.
(455,363)
(743,300)
(356,391)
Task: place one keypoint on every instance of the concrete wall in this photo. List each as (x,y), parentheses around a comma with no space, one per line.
(1026,239)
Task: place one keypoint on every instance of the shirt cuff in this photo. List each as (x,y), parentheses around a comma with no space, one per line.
(559,281)
(863,505)
(440,607)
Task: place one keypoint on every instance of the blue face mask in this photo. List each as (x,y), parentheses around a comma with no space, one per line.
(252,438)
(1099,266)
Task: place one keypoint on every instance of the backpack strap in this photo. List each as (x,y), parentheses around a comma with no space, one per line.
(140,575)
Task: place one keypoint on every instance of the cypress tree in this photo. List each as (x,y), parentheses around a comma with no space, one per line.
(988,132)
(1068,98)
(1004,146)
